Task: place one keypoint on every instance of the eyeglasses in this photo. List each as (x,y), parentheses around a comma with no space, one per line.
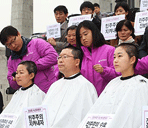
(64,57)
(10,44)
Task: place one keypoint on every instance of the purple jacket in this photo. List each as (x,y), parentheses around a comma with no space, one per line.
(104,56)
(44,55)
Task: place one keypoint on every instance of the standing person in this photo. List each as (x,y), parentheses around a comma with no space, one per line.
(69,98)
(88,8)
(36,50)
(97,64)
(98,12)
(125,95)
(61,14)
(28,95)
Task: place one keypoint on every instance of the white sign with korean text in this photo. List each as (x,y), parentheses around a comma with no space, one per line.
(8,120)
(145,117)
(141,22)
(36,117)
(97,121)
(143,5)
(54,31)
(77,19)
(108,26)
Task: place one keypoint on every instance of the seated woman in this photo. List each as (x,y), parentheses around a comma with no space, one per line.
(28,95)
(125,95)
(71,35)
(120,9)
(125,32)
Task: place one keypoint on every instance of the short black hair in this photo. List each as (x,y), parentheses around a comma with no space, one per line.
(87,4)
(61,8)
(131,49)
(73,27)
(30,66)
(96,5)
(98,38)
(128,24)
(126,7)
(6,33)
(77,53)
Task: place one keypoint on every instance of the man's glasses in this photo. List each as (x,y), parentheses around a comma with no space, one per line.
(10,44)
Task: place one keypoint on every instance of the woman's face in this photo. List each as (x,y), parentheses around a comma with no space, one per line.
(23,78)
(120,11)
(71,37)
(124,33)
(86,37)
(122,61)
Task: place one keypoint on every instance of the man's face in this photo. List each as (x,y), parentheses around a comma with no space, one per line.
(97,10)
(60,16)
(66,61)
(86,11)
(14,43)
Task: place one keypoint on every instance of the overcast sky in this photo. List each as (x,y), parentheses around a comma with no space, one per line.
(43,12)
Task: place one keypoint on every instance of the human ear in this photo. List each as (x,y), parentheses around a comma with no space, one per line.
(77,62)
(31,75)
(132,59)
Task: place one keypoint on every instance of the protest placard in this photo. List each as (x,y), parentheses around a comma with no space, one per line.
(145,117)
(108,26)
(141,22)
(77,19)
(97,121)
(36,117)
(143,5)
(8,120)
(53,31)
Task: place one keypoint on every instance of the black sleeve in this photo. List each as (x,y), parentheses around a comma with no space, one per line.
(143,48)
(1,102)
(97,22)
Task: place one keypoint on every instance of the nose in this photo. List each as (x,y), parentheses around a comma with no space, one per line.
(13,45)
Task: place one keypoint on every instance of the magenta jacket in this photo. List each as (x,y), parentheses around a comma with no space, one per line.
(104,56)
(44,55)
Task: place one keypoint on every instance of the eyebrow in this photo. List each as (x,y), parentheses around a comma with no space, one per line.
(83,32)
(119,53)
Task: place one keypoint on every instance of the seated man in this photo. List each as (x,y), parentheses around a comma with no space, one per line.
(88,8)
(70,98)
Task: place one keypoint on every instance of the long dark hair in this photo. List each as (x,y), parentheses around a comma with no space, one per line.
(128,24)
(98,38)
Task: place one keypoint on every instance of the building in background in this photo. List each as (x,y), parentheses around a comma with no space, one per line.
(22,16)
(108,5)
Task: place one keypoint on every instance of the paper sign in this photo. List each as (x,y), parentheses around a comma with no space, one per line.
(54,31)
(141,22)
(36,117)
(145,117)
(108,26)
(8,120)
(143,5)
(77,19)
(97,120)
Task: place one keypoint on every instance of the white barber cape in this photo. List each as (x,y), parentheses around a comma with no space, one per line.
(30,96)
(69,100)
(123,97)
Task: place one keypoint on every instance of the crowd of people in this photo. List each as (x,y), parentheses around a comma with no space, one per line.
(80,73)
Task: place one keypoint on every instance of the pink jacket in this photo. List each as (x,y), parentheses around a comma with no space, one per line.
(44,55)
(104,56)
